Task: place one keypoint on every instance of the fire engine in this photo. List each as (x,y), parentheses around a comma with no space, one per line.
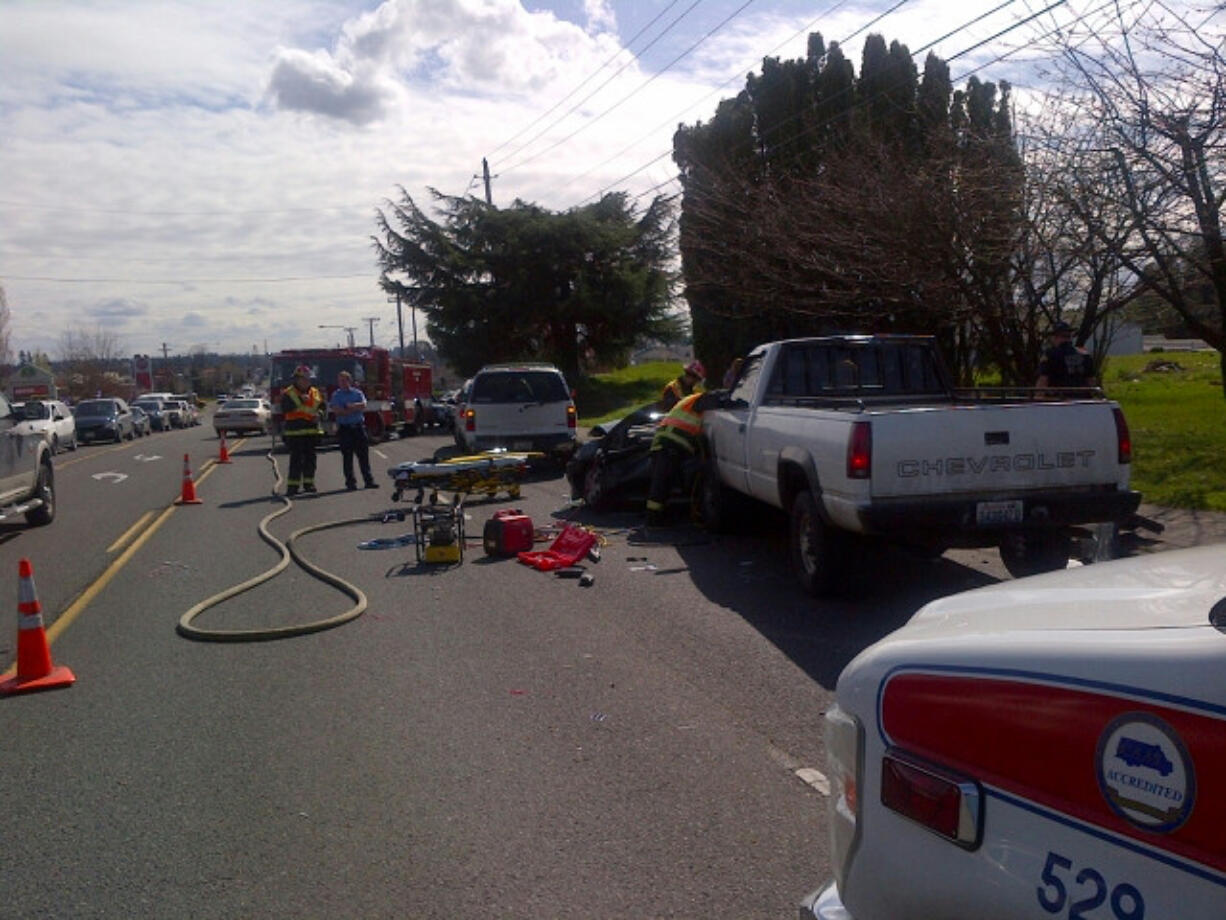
(395,390)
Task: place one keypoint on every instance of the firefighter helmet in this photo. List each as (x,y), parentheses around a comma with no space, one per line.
(302,371)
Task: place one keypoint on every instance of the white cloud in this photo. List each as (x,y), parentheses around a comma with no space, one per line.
(219,165)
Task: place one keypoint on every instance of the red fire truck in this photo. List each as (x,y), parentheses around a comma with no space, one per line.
(396,391)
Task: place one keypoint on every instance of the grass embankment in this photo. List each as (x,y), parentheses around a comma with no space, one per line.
(1177,418)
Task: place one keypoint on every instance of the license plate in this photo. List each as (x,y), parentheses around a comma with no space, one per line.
(1007,512)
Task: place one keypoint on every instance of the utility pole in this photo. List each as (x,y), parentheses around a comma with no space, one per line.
(485,171)
(399,321)
(370,321)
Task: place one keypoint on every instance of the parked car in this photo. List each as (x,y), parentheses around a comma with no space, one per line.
(242,416)
(613,467)
(104,420)
(174,413)
(156,409)
(50,418)
(519,407)
(27,477)
(190,413)
(141,423)
(1050,746)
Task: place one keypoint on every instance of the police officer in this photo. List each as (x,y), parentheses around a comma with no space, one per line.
(680,387)
(675,441)
(303,408)
(1064,365)
(348,405)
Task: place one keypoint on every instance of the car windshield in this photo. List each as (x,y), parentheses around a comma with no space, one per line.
(242,404)
(94,407)
(34,410)
(522,386)
(149,405)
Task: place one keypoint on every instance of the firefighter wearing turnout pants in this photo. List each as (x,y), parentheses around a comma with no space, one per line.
(303,409)
(675,441)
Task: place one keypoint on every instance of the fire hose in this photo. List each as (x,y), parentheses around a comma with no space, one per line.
(287,551)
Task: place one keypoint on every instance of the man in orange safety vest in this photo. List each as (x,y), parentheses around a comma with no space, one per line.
(304,408)
(675,441)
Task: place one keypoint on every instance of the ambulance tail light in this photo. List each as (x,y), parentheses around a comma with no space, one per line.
(1122,437)
(860,451)
(945,803)
(470,419)
(845,757)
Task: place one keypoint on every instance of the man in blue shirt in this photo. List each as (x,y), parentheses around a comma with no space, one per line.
(348,405)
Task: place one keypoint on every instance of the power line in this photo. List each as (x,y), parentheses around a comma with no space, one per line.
(740,9)
(593,75)
(25,206)
(1016,25)
(289,278)
(735,76)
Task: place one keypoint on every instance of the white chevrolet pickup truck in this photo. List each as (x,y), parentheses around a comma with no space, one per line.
(867,435)
(1052,747)
(27,479)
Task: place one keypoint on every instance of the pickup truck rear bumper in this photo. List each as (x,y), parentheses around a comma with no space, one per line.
(954,521)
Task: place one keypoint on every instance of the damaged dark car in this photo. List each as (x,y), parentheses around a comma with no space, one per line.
(613,468)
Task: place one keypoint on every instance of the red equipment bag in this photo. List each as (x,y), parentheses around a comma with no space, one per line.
(572,544)
(508,532)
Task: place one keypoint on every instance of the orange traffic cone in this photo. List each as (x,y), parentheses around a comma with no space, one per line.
(34,668)
(189,488)
(223,455)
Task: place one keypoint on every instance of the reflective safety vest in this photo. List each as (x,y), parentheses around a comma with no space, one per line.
(682,426)
(303,417)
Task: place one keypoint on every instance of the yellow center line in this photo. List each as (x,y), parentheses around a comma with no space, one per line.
(127,534)
(65,619)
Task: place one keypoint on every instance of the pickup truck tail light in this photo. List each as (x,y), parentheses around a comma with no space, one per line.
(1122,437)
(844,759)
(572,418)
(860,451)
(943,802)
(470,420)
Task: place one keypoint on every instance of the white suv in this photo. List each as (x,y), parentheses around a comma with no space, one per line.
(524,407)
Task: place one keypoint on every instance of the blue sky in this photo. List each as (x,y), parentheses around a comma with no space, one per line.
(206,174)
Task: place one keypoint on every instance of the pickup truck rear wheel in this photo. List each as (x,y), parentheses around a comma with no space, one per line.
(1034,553)
(45,513)
(814,547)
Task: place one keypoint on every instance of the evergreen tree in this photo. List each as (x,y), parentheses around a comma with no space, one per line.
(578,288)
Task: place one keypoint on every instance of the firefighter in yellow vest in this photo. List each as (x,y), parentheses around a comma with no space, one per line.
(675,441)
(303,408)
(680,387)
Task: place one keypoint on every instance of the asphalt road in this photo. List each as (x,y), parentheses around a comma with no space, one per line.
(486,739)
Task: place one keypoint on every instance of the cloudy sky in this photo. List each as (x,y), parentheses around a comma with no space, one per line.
(189,174)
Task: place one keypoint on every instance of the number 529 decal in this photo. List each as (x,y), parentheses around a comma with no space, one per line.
(1078,896)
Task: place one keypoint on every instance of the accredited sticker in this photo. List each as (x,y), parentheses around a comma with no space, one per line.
(1145,773)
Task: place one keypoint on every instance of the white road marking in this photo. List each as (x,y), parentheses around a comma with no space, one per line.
(814,778)
(115,477)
